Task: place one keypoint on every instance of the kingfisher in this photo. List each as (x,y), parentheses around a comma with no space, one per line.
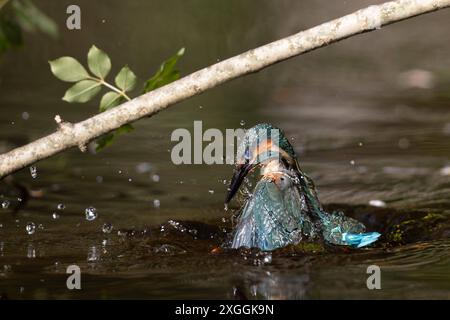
(284,208)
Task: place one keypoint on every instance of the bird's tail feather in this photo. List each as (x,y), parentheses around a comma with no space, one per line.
(359,240)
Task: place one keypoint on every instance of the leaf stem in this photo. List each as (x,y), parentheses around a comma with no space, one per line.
(110,86)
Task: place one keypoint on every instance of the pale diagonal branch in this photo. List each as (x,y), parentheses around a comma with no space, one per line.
(79,134)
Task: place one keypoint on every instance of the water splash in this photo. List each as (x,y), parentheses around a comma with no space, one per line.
(143,167)
(93,255)
(30,228)
(33,172)
(5,204)
(377,203)
(31,251)
(107,227)
(91,213)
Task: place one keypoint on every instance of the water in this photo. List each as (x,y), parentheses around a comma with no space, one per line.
(33,172)
(5,204)
(352,101)
(107,227)
(30,227)
(91,213)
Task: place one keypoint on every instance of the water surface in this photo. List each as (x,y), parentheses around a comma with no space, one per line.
(366,127)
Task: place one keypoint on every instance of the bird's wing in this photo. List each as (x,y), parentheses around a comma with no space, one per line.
(273,217)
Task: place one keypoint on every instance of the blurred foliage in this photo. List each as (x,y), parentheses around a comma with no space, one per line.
(166,73)
(87,85)
(17,16)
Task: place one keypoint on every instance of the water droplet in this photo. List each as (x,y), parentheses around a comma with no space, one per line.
(200,107)
(30,228)
(377,203)
(254,290)
(99,179)
(91,213)
(55,215)
(5,204)
(445,171)
(360,144)
(156,203)
(268,258)
(107,227)
(352,162)
(168,249)
(60,206)
(242,123)
(155,178)
(31,252)
(130,180)
(224,181)
(25,115)
(92,254)
(211,191)
(33,172)
(143,167)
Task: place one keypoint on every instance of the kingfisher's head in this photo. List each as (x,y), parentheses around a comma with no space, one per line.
(261,145)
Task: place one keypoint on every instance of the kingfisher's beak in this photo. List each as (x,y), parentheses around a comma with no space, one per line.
(239,174)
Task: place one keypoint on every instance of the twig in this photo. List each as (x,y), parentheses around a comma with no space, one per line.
(79,134)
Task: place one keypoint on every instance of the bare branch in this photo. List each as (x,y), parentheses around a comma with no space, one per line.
(79,134)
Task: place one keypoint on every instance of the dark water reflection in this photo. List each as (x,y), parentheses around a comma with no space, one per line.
(366,128)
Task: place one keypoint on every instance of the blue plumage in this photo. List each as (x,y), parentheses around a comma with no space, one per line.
(284,208)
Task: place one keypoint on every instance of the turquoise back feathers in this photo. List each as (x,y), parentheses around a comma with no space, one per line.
(284,208)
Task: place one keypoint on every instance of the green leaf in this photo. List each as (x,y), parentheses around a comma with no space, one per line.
(126,128)
(166,73)
(99,62)
(31,18)
(107,139)
(68,69)
(10,33)
(82,91)
(126,79)
(110,100)
(104,141)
